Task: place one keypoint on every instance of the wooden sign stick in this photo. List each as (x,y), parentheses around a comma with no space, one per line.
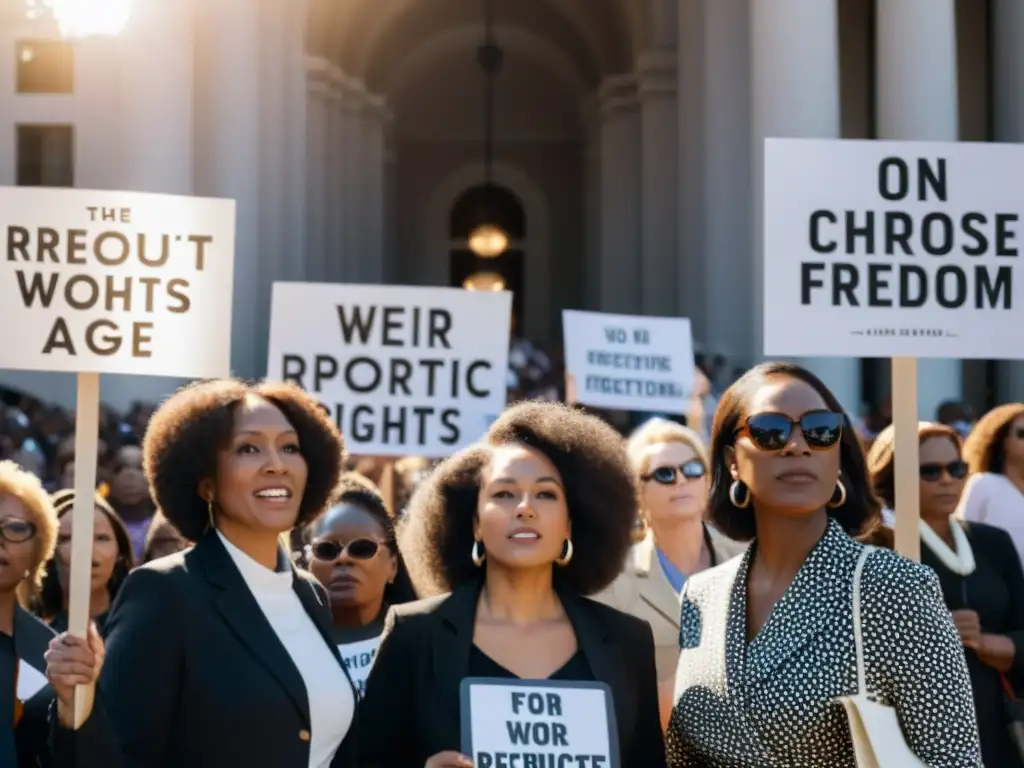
(87,427)
(906,454)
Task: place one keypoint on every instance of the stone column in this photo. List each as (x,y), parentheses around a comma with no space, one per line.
(227,147)
(795,77)
(371,199)
(917,99)
(334,193)
(352,103)
(621,241)
(295,115)
(591,117)
(317,166)
(390,201)
(1008,113)
(659,118)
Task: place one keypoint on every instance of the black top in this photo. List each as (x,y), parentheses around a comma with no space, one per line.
(995,591)
(575,669)
(195,676)
(26,745)
(412,711)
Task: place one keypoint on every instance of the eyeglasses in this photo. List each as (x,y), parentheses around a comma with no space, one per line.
(931,473)
(328,551)
(772,431)
(16,530)
(691,470)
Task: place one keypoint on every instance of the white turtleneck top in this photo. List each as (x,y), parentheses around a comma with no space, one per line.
(331,701)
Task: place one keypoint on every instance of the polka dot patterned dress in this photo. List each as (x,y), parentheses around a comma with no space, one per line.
(771,703)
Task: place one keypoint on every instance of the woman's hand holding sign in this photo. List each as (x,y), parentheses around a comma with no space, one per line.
(72,661)
(449,760)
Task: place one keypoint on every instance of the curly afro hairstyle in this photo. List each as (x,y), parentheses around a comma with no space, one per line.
(195,424)
(436,536)
(984,449)
(859,515)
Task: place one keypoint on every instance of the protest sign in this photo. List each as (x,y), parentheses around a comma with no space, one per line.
(403,370)
(889,249)
(115,282)
(538,723)
(629,362)
(358,660)
(98,282)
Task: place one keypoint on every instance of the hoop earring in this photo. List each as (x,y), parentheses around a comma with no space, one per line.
(209,510)
(842,495)
(478,554)
(566,557)
(734,491)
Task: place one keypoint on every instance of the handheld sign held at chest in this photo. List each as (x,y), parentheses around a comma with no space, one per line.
(508,723)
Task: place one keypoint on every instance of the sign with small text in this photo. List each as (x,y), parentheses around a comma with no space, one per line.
(893,249)
(629,362)
(115,282)
(538,724)
(358,660)
(402,370)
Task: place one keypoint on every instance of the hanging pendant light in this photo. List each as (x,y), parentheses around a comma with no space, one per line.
(484,281)
(488,240)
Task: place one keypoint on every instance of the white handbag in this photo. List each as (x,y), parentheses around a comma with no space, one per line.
(874,728)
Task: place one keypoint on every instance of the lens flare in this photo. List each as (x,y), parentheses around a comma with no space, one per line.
(83,18)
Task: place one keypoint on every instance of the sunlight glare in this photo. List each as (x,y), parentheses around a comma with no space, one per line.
(84,18)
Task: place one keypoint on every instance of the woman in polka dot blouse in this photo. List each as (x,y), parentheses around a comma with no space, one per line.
(767,638)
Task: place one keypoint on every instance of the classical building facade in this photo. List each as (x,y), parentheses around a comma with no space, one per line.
(628,142)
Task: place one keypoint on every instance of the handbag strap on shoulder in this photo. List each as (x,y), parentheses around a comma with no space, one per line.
(858,634)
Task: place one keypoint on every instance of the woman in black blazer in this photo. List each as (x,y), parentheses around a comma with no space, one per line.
(222,655)
(518,528)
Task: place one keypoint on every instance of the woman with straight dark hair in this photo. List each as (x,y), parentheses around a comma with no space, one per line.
(769,640)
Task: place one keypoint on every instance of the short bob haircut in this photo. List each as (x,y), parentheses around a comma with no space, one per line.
(983,449)
(861,513)
(359,491)
(26,488)
(51,594)
(436,536)
(881,456)
(188,431)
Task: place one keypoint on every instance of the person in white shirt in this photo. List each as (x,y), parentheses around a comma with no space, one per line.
(223,655)
(994,494)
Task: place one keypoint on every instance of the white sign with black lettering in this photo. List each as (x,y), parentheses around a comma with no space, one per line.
(893,249)
(358,660)
(629,362)
(115,282)
(538,724)
(403,370)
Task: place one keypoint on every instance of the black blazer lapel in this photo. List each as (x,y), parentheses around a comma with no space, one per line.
(31,639)
(603,657)
(244,616)
(452,649)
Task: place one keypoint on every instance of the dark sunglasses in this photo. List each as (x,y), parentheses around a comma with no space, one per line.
(358,549)
(772,431)
(691,470)
(931,473)
(16,531)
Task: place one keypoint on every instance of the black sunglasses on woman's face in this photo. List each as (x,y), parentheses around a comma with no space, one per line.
(690,470)
(772,431)
(932,472)
(358,549)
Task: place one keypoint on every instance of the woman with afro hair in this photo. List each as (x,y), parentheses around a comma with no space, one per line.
(222,654)
(509,536)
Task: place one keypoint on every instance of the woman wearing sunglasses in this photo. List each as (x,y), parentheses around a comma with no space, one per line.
(980,574)
(355,556)
(670,465)
(995,453)
(768,639)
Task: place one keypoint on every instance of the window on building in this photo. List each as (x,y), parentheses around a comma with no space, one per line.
(45,66)
(46,156)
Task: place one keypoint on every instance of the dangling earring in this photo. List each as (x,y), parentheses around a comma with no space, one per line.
(566,556)
(478,554)
(842,495)
(209,511)
(734,492)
